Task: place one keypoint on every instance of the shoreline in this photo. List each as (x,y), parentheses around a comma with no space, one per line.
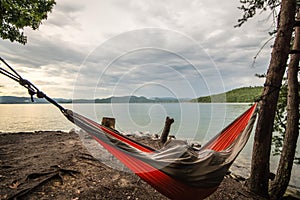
(57,165)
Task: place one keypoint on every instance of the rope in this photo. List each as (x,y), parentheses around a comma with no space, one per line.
(32,89)
(10,67)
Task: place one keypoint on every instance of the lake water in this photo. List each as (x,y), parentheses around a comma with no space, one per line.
(193,122)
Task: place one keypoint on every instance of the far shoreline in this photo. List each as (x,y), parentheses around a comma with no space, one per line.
(188,102)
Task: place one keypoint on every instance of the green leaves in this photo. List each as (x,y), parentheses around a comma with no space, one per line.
(15,15)
(245,94)
(279,126)
(251,7)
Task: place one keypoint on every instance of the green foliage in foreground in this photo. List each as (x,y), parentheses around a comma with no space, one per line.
(15,15)
(279,126)
(240,95)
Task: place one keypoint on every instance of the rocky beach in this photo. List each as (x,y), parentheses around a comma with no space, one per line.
(57,165)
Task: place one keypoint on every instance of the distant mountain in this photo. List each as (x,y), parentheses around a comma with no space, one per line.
(125,99)
(113,99)
(166,99)
(240,95)
(170,99)
(24,100)
(246,94)
(83,101)
(12,99)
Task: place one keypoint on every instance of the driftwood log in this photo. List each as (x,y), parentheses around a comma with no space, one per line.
(108,122)
(164,136)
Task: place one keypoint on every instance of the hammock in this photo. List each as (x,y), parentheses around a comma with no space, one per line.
(177,170)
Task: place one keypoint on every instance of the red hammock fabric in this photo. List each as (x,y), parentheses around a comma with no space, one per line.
(183,177)
(231,132)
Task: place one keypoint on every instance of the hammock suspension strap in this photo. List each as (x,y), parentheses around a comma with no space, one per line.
(274,88)
(295,51)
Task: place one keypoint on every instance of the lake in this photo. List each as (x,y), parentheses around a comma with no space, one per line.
(193,121)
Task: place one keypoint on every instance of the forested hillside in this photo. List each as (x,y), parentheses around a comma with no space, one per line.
(245,94)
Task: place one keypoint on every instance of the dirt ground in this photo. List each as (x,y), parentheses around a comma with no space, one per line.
(56,165)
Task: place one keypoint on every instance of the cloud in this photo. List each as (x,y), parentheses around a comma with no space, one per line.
(134,64)
(64,15)
(105,48)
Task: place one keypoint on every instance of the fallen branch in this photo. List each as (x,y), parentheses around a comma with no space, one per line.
(37,179)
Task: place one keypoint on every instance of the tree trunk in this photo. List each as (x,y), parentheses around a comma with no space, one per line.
(166,131)
(285,166)
(259,177)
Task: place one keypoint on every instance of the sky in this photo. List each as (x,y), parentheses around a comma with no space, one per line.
(98,49)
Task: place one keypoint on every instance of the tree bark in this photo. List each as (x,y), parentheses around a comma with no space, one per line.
(285,166)
(259,177)
(166,131)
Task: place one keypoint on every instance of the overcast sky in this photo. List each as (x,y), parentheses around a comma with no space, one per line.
(96,49)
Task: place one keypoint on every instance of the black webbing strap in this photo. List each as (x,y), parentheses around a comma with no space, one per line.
(273,89)
(297,23)
(294,51)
